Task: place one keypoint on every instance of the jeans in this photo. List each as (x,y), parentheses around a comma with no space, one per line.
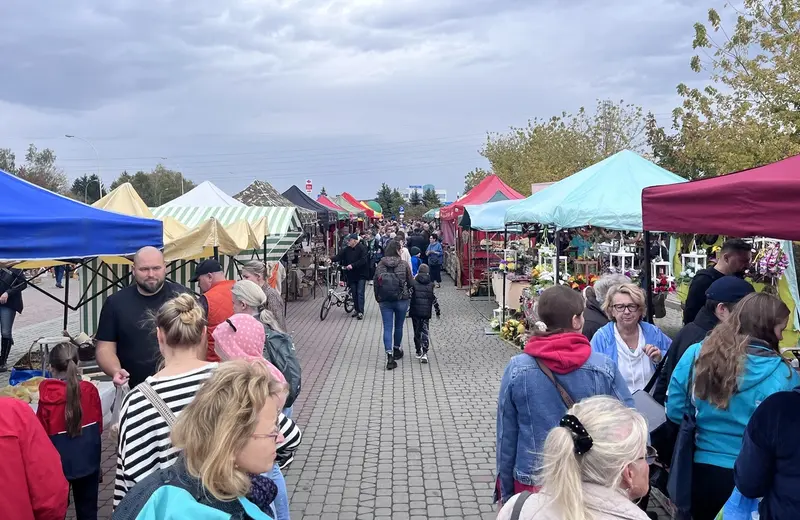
(281,504)
(84,492)
(7,316)
(393,314)
(357,290)
(59,272)
(436,273)
(288,411)
(421,334)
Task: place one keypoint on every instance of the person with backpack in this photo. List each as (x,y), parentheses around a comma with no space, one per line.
(392,291)
(243,337)
(556,369)
(421,310)
(278,348)
(72,415)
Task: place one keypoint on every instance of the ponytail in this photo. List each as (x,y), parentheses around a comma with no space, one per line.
(64,360)
(74,413)
(563,474)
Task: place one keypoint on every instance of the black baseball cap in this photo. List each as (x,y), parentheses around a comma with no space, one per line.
(729,289)
(206,267)
(353,236)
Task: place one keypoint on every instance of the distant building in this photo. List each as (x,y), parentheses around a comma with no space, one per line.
(421,190)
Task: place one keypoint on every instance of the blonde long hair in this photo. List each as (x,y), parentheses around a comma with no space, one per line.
(218,423)
(619,436)
(724,353)
(250,294)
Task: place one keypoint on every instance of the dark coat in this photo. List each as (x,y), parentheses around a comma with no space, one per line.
(696,298)
(690,334)
(422,297)
(417,239)
(767,464)
(358,258)
(12,281)
(594,318)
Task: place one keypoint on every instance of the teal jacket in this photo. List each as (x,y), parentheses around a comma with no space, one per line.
(718,438)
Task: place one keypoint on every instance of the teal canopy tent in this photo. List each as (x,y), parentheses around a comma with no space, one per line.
(606,195)
(489,217)
(431,214)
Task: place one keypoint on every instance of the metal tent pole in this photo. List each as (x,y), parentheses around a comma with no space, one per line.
(505,273)
(647,281)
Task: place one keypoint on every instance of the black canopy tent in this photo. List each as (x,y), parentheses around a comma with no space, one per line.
(326,216)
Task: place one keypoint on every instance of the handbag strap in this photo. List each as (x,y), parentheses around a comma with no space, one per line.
(650,384)
(158,403)
(568,400)
(518,504)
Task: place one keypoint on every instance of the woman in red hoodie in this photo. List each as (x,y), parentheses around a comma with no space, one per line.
(71,413)
(558,368)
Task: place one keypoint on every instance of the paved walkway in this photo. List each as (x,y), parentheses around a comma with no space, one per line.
(416,442)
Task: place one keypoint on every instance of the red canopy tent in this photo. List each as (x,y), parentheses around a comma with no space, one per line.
(355,202)
(325,201)
(339,225)
(490,189)
(755,202)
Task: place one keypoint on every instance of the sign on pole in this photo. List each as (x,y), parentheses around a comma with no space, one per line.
(402,212)
(308,186)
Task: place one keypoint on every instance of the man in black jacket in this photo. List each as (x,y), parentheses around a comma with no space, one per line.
(355,261)
(721,298)
(12,282)
(733,259)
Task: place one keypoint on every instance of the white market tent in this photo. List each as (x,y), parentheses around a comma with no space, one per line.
(205,195)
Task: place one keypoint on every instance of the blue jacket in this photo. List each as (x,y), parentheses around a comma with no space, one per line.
(605,342)
(719,432)
(415,263)
(173,494)
(529,406)
(435,253)
(769,461)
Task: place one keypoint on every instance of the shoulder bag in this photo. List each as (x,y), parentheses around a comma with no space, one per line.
(158,403)
(679,484)
(568,400)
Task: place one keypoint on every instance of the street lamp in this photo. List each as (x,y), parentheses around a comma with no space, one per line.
(97,155)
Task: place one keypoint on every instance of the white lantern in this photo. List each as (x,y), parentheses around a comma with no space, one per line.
(660,268)
(621,259)
(698,259)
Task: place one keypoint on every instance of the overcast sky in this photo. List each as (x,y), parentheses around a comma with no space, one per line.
(348,93)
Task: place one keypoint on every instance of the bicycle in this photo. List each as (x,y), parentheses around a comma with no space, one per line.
(338,294)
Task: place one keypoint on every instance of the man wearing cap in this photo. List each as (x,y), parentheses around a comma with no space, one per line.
(217,298)
(355,262)
(721,297)
(127,348)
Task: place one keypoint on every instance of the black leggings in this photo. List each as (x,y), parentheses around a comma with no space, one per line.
(711,488)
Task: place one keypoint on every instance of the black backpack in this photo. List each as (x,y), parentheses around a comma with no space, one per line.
(280,352)
(390,286)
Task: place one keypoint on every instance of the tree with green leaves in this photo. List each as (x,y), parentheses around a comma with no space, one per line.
(548,150)
(430,199)
(39,168)
(749,115)
(474,178)
(415,199)
(87,188)
(156,187)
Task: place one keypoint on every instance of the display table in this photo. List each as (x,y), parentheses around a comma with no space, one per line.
(109,394)
(514,290)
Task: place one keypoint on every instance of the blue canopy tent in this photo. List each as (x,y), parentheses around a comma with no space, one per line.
(37,224)
(488,217)
(607,195)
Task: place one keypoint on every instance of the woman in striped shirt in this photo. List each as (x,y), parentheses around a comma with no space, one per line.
(146,417)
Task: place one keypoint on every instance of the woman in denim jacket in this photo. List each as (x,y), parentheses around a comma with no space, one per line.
(529,405)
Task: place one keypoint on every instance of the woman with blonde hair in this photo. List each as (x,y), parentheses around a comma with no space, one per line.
(721,381)
(249,298)
(595,466)
(228,436)
(635,346)
(256,271)
(149,410)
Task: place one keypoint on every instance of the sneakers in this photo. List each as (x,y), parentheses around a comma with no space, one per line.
(360,316)
(354,315)
(424,358)
(418,354)
(391,364)
(398,353)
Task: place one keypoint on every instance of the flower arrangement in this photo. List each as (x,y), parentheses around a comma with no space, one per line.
(579,282)
(513,330)
(664,284)
(542,277)
(633,274)
(770,264)
(687,275)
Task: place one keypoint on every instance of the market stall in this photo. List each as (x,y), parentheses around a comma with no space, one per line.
(490,189)
(261,194)
(767,196)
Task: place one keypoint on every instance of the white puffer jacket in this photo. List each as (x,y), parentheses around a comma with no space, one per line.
(603,503)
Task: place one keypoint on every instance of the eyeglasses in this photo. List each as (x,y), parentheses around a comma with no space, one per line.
(274,435)
(631,307)
(650,455)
